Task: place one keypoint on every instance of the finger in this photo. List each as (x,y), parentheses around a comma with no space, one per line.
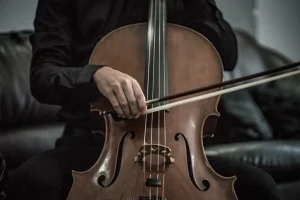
(118,90)
(131,99)
(139,95)
(115,103)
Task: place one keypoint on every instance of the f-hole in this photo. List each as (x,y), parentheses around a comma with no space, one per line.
(119,160)
(205,183)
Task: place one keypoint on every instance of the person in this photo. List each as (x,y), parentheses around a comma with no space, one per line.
(66,32)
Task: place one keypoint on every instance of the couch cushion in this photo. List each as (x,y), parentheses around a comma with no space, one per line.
(17,105)
(281,108)
(280,100)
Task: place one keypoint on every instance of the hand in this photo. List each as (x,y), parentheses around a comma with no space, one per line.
(123,92)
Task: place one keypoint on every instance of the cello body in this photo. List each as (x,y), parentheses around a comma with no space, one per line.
(158,156)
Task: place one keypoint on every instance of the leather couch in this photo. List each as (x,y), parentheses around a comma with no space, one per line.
(259,125)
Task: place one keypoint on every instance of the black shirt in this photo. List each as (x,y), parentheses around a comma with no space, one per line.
(66,32)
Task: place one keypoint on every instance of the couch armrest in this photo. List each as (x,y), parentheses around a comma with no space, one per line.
(19,144)
(279,158)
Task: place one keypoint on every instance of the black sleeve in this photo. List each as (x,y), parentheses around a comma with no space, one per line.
(209,21)
(53,80)
(226,43)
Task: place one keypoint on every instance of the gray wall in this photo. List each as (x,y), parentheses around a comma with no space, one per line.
(275,23)
(278,26)
(239,13)
(17,14)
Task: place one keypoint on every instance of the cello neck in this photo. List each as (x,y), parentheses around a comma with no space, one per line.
(156,70)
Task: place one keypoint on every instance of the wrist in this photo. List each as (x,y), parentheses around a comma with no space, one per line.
(96,74)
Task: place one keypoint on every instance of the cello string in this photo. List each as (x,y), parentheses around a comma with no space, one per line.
(150,54)
(159,11)
(165,83)
(159,85)
(224,91)
(153,86)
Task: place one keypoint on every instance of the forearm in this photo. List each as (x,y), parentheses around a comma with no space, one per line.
(52,84)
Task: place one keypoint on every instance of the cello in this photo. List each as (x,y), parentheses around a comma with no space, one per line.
(159,156)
